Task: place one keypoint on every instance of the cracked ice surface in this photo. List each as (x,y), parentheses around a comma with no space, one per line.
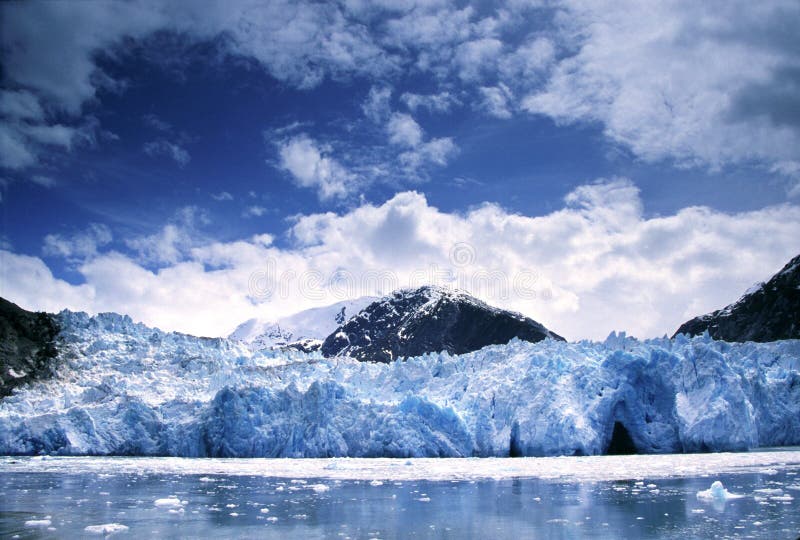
(124,388)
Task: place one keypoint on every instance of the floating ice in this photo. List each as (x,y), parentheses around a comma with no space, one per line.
(169,502)
(106,529)
(38,523)
(126,389)
(717,492)
(320,488)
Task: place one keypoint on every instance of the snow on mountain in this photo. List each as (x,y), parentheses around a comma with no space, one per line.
(303,327)
(411,322)
(124,388)
(766,312)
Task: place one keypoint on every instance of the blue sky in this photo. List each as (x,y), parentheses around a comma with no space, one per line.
(174,161)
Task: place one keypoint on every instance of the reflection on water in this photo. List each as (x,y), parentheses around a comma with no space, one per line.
(63,505)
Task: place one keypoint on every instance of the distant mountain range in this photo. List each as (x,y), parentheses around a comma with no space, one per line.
(408,322)
(767,312)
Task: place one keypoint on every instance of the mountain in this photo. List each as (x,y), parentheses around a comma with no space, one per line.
(412,322)
(767,312)
(302,331)
(27,346)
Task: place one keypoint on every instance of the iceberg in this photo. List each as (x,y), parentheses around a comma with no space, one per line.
(122,388)
(717,492)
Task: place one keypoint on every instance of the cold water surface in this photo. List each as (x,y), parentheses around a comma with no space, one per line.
(38,501)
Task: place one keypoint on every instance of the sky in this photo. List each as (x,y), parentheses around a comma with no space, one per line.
(597,166)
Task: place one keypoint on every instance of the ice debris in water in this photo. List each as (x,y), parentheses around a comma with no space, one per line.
(38,523)
(106,529)
(126,389)
(717,492)
(169,502)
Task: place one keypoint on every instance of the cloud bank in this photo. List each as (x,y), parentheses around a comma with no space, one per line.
(595,265)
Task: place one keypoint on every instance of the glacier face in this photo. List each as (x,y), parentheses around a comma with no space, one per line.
(124,388)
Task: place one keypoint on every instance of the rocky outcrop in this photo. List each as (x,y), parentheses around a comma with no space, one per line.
(768,312)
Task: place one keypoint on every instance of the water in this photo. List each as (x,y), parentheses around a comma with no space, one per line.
(225,499)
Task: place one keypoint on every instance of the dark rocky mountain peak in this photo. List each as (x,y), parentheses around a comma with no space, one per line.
(411,322)
(27,346)
(767,312)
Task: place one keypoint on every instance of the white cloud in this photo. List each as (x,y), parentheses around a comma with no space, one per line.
(496,100)
(153,121)
(700,83)
(78,246)
(377,105)
(436,152)
(527,65)
(20,105)
(440,103)
(310,167)
(173,242)
(163,147)
(222,196)
(595,265)
(44,181)
(474,57)
(254,211)
(403,130)
(14,152)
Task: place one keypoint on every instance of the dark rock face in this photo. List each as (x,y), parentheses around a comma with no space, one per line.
(27,346)
(428,319)
(768,313)
(307,345)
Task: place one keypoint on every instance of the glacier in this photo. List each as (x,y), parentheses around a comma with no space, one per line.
(122,388)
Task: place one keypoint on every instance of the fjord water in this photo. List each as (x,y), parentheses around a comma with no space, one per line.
(158,498)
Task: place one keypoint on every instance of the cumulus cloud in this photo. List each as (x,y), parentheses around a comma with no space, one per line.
(595,265)
(435,151)
(310,167)
(684,81)
(403,130)
(79,246)
(173,242)
(474,57)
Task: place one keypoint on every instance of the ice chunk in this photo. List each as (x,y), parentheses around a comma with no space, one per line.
(169,502)
(106,529)
(320,488)
(717,492)
(38,523)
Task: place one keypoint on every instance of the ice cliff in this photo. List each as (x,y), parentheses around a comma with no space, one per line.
(124,388)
